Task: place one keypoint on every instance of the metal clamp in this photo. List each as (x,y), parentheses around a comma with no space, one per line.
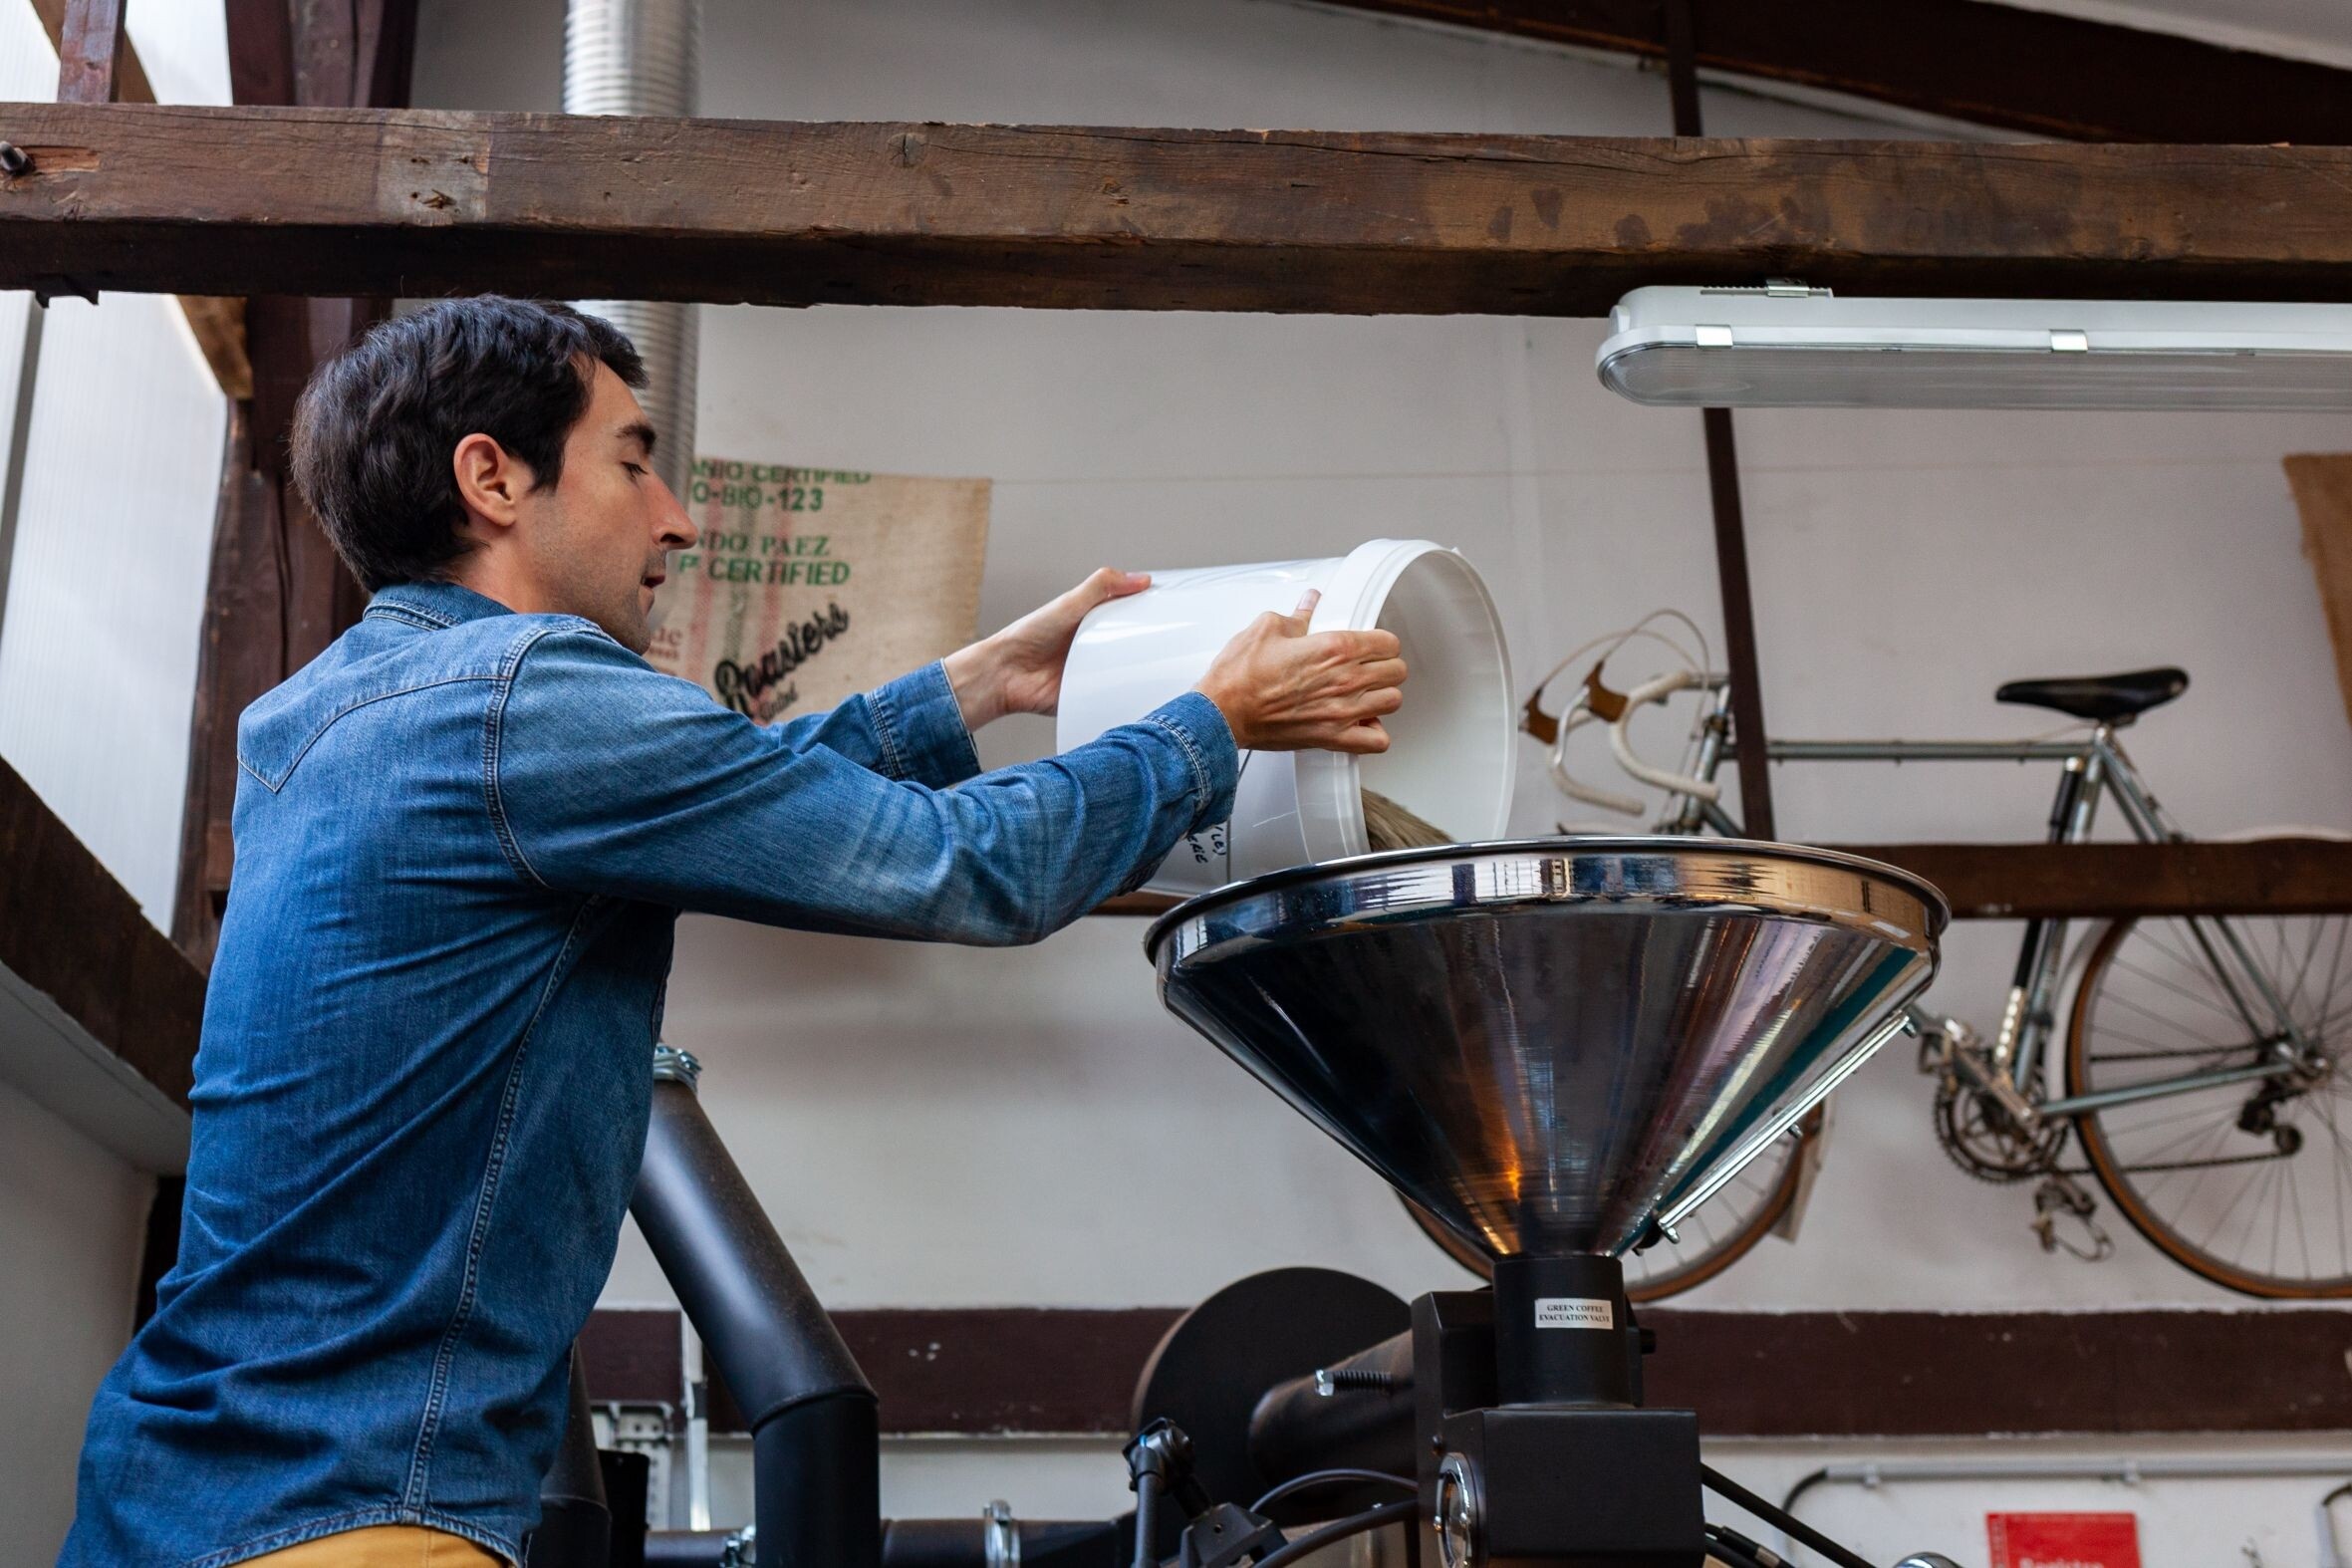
(742,1549)
(1000,1537)
(1459,1516)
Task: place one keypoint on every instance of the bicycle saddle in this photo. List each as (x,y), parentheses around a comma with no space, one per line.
(2109,700)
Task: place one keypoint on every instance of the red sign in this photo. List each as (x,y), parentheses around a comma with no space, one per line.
(2065,1540)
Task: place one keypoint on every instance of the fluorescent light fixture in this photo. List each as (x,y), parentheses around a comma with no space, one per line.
(1787,346)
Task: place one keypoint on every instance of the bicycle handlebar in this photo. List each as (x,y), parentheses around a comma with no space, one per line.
(1623,805)
(1620,742)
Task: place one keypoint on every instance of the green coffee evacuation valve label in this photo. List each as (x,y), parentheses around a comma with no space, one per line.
(1575,1312)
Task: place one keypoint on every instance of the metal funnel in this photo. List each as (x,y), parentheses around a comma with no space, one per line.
(1552,1045)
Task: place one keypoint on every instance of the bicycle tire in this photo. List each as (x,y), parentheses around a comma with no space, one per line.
(2112,1167)
(1704,1265)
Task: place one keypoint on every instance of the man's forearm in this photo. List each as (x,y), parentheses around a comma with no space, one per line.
(976,675)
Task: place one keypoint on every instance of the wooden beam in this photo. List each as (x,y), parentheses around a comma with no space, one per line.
(1991,65)
(2000,882)
(91,51)
(72,934)
(2109,881)
(1035,1370)
(317,202)
(2323,495)
(217,323)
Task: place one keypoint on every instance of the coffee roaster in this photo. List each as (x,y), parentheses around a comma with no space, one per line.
(1559,1049)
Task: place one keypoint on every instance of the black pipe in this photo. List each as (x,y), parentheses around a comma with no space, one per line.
(687,1548)
(1365,1421)
(815,1454)
(575,1528)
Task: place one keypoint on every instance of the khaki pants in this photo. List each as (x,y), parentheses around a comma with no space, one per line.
(383,1546)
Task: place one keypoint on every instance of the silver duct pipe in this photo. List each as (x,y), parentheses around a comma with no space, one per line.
(640,56)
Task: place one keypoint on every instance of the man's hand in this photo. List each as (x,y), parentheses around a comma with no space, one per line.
(1019,669)
(1282,690)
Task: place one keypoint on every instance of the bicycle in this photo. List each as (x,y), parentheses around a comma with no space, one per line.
(2196,1071)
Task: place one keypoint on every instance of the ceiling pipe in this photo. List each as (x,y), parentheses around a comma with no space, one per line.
(642,57)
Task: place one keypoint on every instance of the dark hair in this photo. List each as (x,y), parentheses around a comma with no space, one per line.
(375,427)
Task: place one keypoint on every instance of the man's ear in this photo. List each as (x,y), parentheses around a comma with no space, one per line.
(491,483)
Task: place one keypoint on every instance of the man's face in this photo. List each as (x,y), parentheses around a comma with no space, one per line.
(601,536)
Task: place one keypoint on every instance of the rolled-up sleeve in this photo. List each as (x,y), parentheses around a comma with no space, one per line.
(607,777)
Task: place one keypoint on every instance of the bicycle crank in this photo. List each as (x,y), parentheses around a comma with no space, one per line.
(1990,1130)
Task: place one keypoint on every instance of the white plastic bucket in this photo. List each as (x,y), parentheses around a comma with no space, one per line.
(1449,753)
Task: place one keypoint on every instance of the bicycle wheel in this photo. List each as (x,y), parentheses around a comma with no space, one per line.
(1718,1235)
(2248,1184)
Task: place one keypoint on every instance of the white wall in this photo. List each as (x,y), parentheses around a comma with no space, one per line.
(72,1219)
(938,1127)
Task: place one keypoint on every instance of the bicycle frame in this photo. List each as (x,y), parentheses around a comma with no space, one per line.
(2093,767)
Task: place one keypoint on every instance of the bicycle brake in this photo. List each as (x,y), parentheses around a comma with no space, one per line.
(2059,1196)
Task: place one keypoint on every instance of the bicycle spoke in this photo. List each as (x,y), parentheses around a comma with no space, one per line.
(2180,991)
(2205,1243)
(2200,1120)
(2303,969)
(2240,1204)
(2150,1013)
(2147,932)
(2335,965)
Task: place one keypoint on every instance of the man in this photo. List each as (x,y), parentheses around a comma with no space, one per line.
(464,835)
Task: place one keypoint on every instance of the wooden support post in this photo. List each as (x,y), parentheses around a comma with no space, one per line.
(278,595)
(219,321)
(1722,489)
(1739,625)
(2323,493)
(90,52)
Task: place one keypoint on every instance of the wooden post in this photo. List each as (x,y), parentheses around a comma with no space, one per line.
(2323,493)
(90,52)
(277,593)
(1722,488)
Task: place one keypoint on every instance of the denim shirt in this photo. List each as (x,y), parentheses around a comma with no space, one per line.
(463,836)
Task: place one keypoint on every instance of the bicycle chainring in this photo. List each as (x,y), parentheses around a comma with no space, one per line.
(1986,1141)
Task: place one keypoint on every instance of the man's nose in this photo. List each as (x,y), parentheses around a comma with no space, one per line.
(677,530)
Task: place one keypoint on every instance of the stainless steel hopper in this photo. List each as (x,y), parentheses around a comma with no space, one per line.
(1555,1045)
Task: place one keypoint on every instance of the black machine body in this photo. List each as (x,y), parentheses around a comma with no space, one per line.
(1532,1448)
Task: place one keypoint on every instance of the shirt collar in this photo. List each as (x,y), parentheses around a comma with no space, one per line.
(441,605)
